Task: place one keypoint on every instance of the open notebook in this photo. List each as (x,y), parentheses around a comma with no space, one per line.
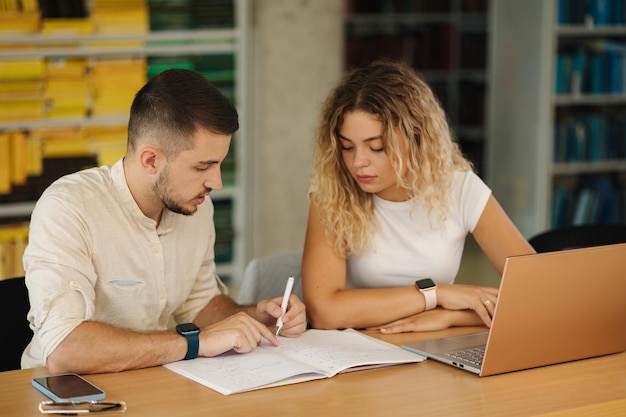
(552,307)
(316,354)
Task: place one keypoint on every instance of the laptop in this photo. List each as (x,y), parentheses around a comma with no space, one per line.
(552,307)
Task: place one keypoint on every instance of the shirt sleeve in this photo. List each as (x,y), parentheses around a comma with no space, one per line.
(473,195)
(59,276)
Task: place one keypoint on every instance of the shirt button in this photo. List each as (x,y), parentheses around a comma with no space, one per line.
(156,249)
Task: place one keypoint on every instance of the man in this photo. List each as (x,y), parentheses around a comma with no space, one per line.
(114,252)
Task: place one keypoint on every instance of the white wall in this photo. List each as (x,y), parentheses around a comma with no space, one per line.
(297,57)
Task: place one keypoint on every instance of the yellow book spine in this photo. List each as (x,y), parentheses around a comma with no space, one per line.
(5,163)
(3,261)
(21,86)
(18,161)
(66,148)
(30,69)
(19,23)
(67,68)
(67,26)
(34,161)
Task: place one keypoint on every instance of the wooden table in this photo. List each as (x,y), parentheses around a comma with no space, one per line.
(594,386)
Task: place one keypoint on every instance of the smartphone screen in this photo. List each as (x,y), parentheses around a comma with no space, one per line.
(68,387)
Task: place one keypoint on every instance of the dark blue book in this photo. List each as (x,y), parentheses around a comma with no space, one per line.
(597,138)
(560,201)
(599,12)
(579,68)
(563,73)
(576,141)
(563,9)
(617,12)
(596,72)
(615,62)
(577,11)
(560,142)
(585,202)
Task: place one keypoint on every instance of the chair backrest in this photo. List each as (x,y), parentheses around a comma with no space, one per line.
(265,277)
(14,327)
(583,236)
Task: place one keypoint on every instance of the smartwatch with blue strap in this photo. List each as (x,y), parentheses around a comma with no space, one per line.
(191,332)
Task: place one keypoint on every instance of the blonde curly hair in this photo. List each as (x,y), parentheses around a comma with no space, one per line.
(409,111)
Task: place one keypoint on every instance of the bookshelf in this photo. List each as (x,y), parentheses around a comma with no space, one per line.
(557,112)
(210,37)
(445,40)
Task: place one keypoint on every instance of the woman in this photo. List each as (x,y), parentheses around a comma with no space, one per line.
(392,201)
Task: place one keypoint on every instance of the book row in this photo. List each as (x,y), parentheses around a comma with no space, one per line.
(85,17)
(597,200)
(14,239)
(27,155)
(37,89)
(596,67)
(430,46)
(591,12)
(590,138)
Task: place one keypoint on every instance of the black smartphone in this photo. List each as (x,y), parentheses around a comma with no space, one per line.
(68,387)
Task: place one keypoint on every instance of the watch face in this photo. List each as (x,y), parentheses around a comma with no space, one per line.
(187,327)
(425,283)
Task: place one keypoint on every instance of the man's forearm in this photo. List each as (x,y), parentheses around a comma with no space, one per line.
(94,347)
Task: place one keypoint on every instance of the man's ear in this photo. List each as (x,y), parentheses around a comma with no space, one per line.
(150,158)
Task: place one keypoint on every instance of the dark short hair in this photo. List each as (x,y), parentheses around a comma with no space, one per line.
(173,105)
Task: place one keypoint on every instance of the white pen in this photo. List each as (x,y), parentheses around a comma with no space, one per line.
(283,305)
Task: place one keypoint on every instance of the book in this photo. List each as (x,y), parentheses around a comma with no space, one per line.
(316,354)
(5,163)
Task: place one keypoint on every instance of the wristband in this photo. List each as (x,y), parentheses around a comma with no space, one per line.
(191,332)
(428,287)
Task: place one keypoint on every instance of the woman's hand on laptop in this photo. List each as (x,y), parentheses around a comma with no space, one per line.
(468,297)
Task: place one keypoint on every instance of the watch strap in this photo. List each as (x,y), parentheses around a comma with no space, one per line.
(191,332)
(430,295)
(193,344)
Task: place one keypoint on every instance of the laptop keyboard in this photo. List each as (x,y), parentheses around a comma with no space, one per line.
(472,355)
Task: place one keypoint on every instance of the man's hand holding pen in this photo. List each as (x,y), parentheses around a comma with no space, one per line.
(290,315)
(243,332)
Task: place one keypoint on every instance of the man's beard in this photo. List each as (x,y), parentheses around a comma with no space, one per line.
(162,190)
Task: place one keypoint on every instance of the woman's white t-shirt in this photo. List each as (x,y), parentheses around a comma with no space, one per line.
(409,245)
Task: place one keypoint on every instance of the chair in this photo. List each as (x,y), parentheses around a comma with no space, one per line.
(582,236)
(265,277)
(14,326)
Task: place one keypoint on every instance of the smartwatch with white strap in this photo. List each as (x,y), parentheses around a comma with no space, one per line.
(428,287)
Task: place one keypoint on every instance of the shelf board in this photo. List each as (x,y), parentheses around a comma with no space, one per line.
(589,99)
(77,121)
(467,21)
(22,209)
(587,167)
(198,42)
(589,31)
(218,35)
